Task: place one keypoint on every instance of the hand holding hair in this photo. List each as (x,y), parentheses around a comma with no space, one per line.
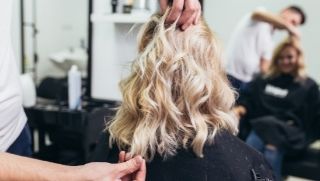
(185,12)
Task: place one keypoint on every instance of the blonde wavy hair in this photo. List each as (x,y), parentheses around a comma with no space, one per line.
(177,95)
(300,71)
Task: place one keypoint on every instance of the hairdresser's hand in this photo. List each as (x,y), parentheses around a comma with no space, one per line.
(188,12)
(139,174)
(108,172)
(239,111)
(295,40)
(294,31)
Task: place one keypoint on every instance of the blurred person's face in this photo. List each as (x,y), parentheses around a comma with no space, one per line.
(288,60)
(291,17)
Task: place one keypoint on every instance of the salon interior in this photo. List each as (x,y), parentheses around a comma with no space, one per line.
(73,53)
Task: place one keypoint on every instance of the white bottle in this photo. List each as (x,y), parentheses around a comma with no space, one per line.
(74,88)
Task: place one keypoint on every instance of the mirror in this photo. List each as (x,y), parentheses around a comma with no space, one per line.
(54,37)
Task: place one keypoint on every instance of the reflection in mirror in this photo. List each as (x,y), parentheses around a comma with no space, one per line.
(54,36)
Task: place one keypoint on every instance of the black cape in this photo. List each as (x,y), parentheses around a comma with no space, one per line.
(228,159)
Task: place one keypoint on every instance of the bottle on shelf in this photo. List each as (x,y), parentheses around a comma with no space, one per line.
(114,4)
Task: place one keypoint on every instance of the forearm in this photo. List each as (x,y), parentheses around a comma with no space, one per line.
(264,66)
(14,167)
(274,20)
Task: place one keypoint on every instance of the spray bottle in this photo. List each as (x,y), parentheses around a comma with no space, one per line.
(74,88)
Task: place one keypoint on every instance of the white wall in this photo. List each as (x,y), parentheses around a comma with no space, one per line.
(61,25)
(223,15)
(113,50)
(114,47)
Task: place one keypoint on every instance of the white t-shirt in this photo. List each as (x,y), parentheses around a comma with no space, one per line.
(251,41)
(12,116)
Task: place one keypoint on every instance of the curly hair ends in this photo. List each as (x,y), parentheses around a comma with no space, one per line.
(177,95)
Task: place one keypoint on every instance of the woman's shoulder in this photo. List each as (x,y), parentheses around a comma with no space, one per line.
(241,160)
(310,82)
(228,143)
(227,158)
(307,85)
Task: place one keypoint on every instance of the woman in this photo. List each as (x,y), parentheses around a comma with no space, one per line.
(281,106)
(176,110)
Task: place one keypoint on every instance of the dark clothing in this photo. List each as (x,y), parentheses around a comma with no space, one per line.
(273,156)
(228,159)
(282,110)
(237,84)
(22,145)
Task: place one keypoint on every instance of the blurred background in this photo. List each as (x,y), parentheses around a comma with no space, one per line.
(50,36)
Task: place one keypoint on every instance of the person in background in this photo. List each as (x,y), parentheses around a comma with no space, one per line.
(283,106)
(14,132)
(176,110)
(250,49)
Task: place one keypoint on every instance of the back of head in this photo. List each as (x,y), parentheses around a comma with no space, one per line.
(177,95)
(298,10)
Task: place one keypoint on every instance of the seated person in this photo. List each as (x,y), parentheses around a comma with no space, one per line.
(176,110)
(281,105)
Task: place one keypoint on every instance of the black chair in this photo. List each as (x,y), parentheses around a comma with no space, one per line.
(305,164)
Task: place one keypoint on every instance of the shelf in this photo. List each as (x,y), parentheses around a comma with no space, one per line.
(121,18)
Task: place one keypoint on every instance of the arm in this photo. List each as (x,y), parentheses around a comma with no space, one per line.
(239,111)
(14,167)
(265,49)
(264,65)
(246,101)
(270,18)
(188,12)
(275,20)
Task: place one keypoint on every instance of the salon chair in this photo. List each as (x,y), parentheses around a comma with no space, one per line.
(305,164)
